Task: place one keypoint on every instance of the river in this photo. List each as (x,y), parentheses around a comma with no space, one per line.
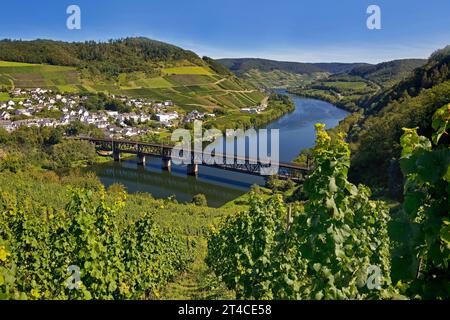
(296,134)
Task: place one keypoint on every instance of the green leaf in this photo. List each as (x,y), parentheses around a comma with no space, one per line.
(413,201)
(445,233)
(317,267)
(441,123)
(332,185)
(432,166)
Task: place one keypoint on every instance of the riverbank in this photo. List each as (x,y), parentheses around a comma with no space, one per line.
(100,159)
(278,105)
(325,96)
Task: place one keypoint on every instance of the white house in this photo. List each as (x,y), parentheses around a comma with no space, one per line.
(5,115)
(7,125)
(112,114)
(22,112)
(166,117)
(249,110)
(102,124)
(65,119)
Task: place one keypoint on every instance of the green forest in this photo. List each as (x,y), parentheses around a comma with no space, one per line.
(112,57)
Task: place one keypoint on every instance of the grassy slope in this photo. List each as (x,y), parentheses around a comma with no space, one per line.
(279,78)
(190,87)
(23,75)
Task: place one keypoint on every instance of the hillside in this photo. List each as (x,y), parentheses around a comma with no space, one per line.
(409,104)
(240,66)
(113,57)
(389,73)
(133,66)
(354,89)
(281,74)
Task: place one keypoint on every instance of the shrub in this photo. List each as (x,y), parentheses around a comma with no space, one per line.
(200,200)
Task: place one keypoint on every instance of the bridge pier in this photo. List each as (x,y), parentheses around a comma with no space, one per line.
(116,156)
(141,160)
(192,169)
(166,164)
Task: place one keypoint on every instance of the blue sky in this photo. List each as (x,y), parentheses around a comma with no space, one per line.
(291,30)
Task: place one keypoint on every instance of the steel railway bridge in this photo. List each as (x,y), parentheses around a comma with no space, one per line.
(238,164)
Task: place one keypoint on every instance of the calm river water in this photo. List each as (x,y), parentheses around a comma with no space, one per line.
(296,134)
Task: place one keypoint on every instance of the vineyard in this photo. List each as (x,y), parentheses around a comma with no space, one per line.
(66,237)
(330,245)
(40,246)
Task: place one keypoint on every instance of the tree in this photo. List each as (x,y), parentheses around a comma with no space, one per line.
(12,161)
(69,151)
(4,136)
(117,105)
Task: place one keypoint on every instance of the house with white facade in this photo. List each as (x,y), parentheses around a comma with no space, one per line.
(167,117)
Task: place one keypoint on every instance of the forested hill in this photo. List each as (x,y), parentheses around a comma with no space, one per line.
(388,73)
(241,66)
(268,73)
(434,71)
(409,104)
(115,56)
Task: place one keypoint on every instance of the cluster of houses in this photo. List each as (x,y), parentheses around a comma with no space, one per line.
(25,105)
(196,115)
(38,122)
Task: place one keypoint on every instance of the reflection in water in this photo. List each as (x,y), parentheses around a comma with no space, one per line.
(220,186)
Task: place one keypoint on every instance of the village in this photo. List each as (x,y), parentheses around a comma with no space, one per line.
(45,108)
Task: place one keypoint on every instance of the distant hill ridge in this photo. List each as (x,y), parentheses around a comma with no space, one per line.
(242,65)
(270,73)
